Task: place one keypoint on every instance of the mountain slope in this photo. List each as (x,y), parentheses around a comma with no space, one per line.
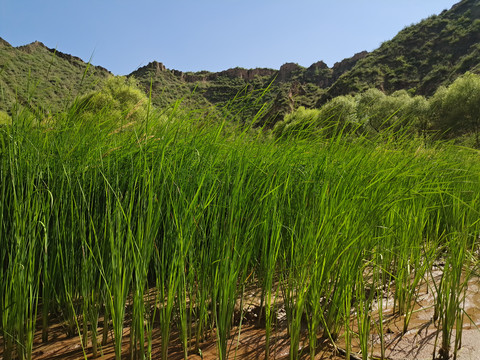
(420,57)
(43,79)
(289,87)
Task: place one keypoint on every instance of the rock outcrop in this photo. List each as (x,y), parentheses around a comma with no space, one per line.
(154,68)
(245,74)
(347,64)
(319,74)
(288,71)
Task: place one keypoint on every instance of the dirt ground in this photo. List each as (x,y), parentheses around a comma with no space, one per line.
(248,342)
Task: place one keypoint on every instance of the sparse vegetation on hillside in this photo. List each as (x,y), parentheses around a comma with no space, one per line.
(43,80)
(421,57)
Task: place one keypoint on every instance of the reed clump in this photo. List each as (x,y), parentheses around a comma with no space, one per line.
(96,215)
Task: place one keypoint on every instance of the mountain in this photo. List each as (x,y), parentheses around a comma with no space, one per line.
(289,87)
(420,58)
(43,79)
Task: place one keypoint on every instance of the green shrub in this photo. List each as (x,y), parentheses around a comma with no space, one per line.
(119,100)
(337,115)
(5,119)
(301,122)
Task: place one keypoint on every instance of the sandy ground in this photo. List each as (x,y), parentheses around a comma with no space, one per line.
(418,343)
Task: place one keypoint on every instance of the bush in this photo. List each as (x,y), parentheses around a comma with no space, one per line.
(338,114)
(302,122)
(5,119)
(119,100)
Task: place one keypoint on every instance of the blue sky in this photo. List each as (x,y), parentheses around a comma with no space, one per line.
(192,35)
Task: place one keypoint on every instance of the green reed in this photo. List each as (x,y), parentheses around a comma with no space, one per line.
(165,225)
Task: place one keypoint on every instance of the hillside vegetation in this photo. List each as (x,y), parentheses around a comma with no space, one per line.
(422,56)
(43,80)
(420,59)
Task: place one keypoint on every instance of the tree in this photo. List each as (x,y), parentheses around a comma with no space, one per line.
(395,112)
(417,110)
(339,114)
(456,109)
(366,101)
